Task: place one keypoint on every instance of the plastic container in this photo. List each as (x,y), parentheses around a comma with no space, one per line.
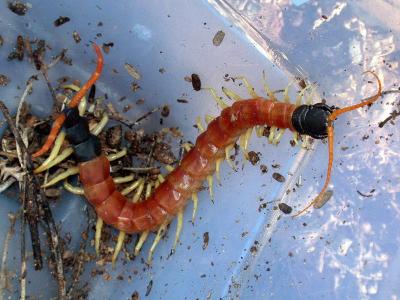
(348,249)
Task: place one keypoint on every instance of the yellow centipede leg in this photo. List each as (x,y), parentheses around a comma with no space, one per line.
(272,133)
(208,119)
(228,156)
(199,124)
(179,226)
(210,186)
(278,136)
(300,96)
(259,131)
(118,155)
(195,200)
(142,239)
(267,89)
(53,154)
(218,169)
(73,189)
(139,191)
(97,236)
(160,233)
(249,87)
(219,101)
(118,247)
(69,172)
(231,94)
(123,179)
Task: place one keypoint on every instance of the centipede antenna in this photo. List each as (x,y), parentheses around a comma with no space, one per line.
(179,226)
(210,186)
(231,94)
(53,154)
(97,235)
(160,234)
(58,123)
(249,87)
(331,119)
(195,200)
(73,103)
(118,247)
(219,101)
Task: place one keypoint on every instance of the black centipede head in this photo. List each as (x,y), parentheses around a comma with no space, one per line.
(312,120)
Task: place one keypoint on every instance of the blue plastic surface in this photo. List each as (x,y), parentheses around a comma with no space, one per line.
(347,250)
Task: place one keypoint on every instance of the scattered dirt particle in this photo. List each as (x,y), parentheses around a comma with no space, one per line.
(107,47)
(324,17)
(365,195)
(52,192)
(4,80)
(139,101)
(134,87)
(114,136)
(132,71)
(206,239)
(148,289)
(196,82)
(254,158)
(135,295)
(18,52)
(276,166)
(18,8)
(163,153)
(161,70)
(262,206)
(1,41)
(290,254)
(76,36)
(218,38)
(182,101)
(127,108)
(278,177)
(165,111)
(264,169)
(286,209)
(61,21)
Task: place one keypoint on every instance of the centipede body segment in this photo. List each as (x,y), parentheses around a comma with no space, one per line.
(199,164)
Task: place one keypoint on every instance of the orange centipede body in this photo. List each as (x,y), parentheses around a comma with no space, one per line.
(200,162)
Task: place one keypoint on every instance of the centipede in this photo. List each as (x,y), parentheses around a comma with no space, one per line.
(171,194)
